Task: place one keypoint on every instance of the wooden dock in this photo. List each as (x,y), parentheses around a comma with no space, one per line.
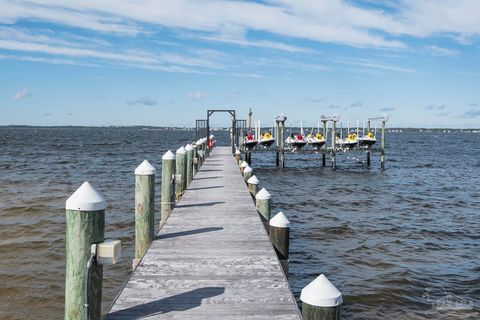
(212,259)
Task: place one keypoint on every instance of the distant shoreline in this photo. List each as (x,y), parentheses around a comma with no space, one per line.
(389,129)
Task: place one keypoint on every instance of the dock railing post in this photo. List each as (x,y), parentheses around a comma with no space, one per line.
(263,204)
(321,300)
(368,148)
(280,238)
(189,150)
(85,222)
(180,172)
(144,209)
(168,185)
(247,173)
(252,184)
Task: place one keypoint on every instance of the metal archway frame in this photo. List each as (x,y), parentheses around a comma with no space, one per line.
(232,113)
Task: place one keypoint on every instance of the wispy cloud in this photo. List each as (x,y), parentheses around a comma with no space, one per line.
(439,51)
(386,109)
(146,101)
(199,95)
(434,107)
(22,94)
(357,104)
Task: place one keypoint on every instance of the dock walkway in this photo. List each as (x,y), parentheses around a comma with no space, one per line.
(212,259)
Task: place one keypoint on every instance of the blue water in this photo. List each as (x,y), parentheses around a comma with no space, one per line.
(393,242)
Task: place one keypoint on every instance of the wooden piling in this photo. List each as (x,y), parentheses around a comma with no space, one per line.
(252,184)
(247,173)
(144,209)
(243,165)
(382,151)
(280,238)
(334,144)
(195,158)
(85,221)
(238,156)
(263,203)
(321,300)
(180,172)
(168,185)
(189,150)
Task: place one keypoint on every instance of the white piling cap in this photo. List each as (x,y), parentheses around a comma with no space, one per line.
(247,169)
(188,147)
(280,221)
(263,195)
(168,155)
(199,141)
(244,164)
(237,151)
(321,293)
(86,198)
(253,180)
(212,137)
(181,150)
(145,169)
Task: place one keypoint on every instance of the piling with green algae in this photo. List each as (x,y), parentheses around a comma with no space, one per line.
(238,156)
(85,222)
(195,158)
(144,209)
(180,172)
(252,184)
(189,150)
(321,300)
(247,173)
(168,185)
(279,234)
(263,204)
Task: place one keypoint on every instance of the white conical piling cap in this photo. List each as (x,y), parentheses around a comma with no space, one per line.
(86,198)
(248,169)
(321,293)
(237,151)
(188,147)
(253,180)
(263,195)
(244,164)
(199,141)
(169,155)
(212,137)
(181,150)
(280,221)
(145,169)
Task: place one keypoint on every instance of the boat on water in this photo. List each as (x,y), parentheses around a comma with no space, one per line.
(266,139)
(349,142)
(250,142)
(367,140)
(316,140)
(297,141)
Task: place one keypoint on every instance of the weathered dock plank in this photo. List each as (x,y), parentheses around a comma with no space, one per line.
(212,259)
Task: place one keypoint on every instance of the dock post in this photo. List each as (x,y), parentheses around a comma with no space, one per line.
(189,150)
(248,156)
(263,204)
(85,222)
(334,145)
(180,172)
(282,158)
(144,209)
(195,158)
(168,185)
(252,184)
(382,151)
(277,158)
(324,160)
(199,153)
(321,300)
(280,238)
(247,173)
(243,165)
(280,139)
(238,156)
(368,150)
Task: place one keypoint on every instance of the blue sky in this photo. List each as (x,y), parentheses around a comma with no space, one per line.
(147,62)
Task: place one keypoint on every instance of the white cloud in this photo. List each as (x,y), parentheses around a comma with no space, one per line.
(439,51)
(199,95)
(146,101)
(21,94)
